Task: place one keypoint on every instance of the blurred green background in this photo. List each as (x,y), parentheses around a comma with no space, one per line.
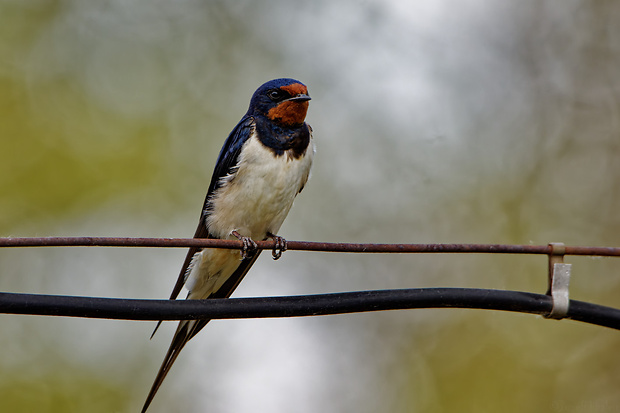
(472,121)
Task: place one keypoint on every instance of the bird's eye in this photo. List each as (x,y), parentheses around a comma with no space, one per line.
(275,94)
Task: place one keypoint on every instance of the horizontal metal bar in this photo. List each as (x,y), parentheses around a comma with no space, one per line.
(300,245)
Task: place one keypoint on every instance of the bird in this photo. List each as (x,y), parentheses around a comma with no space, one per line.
(262,166)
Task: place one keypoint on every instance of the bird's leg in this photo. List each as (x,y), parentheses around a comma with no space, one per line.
(249,246)
(279,247)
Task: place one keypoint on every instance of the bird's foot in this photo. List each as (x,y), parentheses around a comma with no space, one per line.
(279,247)
(249,246)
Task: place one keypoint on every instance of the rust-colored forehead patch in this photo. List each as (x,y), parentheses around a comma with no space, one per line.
(295,89)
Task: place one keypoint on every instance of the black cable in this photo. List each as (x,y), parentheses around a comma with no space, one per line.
(305,305)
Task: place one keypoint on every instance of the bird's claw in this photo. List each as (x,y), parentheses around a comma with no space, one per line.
(279,247)
(249,246)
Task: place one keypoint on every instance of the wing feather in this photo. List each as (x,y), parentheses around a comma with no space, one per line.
(226,163)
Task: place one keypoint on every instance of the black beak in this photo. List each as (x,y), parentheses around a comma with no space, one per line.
(300,98)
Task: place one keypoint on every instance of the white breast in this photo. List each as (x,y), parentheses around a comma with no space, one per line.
(253,201)
(258,196)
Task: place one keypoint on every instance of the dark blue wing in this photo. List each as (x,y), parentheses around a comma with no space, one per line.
(226,162)
(229,154)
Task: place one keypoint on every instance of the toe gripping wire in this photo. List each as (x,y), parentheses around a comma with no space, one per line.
(559,278)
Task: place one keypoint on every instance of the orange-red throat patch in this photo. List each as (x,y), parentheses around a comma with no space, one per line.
(290,112)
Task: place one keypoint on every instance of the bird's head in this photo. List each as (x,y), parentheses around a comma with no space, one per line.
(283,101)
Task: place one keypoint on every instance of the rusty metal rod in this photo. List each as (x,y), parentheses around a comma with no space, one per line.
(300,245)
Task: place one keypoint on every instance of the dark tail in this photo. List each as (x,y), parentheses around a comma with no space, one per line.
(156,328)
(189,328)
(186,330)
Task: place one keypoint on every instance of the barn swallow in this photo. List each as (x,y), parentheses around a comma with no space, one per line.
(264,163)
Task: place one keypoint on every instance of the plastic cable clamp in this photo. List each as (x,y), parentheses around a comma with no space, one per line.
(559,279)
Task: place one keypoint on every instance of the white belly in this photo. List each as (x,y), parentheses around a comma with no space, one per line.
(260,194)
(253,202)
